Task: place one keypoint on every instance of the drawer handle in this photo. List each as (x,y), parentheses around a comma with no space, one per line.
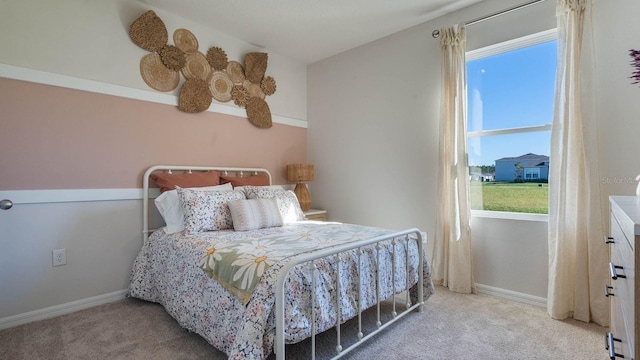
(608,345)
(614,274)
(606,290)
(608,240)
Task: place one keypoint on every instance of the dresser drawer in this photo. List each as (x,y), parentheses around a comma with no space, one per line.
(622,267)
(624,252)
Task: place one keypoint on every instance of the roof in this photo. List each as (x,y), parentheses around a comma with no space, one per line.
(526,157)
(528,160)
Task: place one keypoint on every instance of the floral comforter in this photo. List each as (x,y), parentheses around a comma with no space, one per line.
(173,270)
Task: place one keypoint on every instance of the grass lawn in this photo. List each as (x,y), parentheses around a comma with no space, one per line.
(513,197)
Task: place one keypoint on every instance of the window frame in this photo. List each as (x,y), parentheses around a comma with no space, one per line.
(495,49)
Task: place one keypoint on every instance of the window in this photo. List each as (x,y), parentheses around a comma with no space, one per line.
(531,174)
(510,94)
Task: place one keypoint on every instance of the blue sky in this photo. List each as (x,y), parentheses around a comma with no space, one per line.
(509,90)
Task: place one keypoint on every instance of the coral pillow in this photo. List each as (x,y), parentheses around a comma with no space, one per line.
(255,214)
(168,182)
(257,180)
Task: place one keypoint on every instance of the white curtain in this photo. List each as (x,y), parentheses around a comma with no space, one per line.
(577,253)
(451,262)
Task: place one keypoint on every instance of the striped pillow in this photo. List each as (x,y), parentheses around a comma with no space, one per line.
(255,214)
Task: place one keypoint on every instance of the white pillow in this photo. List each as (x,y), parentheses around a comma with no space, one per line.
(287,201)
(169,207)
(255,214)
(246,188)
(207,210)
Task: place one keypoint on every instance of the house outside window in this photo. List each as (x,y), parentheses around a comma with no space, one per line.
(527,167)
(510,92)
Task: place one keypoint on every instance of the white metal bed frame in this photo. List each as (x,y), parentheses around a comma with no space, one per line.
(238,171)
(279,345)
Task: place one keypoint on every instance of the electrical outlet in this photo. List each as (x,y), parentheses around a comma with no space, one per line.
(59,257)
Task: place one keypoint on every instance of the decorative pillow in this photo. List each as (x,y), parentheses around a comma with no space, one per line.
(244,188)
(170,208)
(257,180)
(206,210)
(287,201)
(166,181)
(255,214)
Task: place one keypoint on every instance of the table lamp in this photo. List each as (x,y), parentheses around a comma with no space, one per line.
(301,173)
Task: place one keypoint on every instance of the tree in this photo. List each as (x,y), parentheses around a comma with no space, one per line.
(518,173)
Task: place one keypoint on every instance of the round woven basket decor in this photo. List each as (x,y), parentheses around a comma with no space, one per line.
(172,57)
(258,113)
(268,85)
(148,32)
(254,90)
(235,72)
(217,58)
(220,86)
(240,95)
(194,96)
(197,66)
(185,41)
(255,65)
(156,75)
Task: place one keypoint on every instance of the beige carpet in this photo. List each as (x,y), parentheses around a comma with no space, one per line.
(453,326)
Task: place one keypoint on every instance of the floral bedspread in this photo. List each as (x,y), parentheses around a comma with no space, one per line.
(169,270)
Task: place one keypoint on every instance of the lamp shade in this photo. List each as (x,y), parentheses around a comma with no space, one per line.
(300,172)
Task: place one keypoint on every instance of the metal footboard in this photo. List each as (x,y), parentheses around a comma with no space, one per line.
(279,346)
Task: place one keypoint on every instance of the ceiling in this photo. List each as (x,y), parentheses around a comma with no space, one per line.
(309,30)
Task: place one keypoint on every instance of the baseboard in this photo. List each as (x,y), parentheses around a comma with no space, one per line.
(61,309)
(512,295)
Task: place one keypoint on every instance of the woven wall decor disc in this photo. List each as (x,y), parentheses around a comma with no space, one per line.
(240,95)
(255,65)
(148,32)
(156,75)
(220,86)
(235,72)
(194,96)
(172,57)
(254,90)
(217,58)
(268,85)
(258,113)
(185,41)
(197,67)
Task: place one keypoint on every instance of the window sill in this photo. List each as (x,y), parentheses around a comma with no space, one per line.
(509,215)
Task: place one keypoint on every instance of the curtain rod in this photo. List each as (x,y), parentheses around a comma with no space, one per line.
(436,33)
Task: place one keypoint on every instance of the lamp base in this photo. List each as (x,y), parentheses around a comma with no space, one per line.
(304,198)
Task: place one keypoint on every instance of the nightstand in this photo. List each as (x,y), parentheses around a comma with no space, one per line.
(315,214)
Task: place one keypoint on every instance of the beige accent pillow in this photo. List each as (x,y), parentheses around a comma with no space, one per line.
(287,201)
(255,214)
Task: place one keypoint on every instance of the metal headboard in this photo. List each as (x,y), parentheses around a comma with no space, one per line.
(237,171)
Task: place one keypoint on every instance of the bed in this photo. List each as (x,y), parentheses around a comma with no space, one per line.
(256,275)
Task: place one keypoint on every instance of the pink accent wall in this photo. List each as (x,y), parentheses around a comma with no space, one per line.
(58,138)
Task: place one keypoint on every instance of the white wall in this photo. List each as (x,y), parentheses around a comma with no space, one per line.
(373,130)
(101,240)
(90,40)
(617,29)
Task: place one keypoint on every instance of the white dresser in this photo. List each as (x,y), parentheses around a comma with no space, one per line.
(621,341)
